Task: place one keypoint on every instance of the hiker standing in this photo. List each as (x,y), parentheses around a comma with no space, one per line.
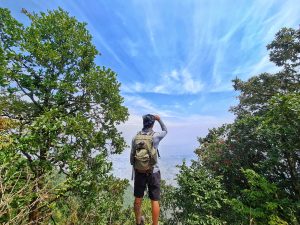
(144,158)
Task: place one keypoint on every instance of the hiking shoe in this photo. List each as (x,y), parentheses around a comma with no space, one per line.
(142,221)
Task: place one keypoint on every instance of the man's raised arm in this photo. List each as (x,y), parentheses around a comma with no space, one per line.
(164,131)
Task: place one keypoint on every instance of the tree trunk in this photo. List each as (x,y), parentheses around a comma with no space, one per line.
(35,216)
(34,212)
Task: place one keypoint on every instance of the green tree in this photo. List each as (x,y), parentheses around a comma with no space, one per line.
(238,145)
(198,199)
(260,203)
(258,90)
(268,144)
(280,128)
(67,107)
(285,49)
(265,134)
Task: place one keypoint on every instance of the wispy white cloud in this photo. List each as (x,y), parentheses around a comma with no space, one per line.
(98,38)
(263,65)
(174,82)
(246,36)
(152,23)
(217,74)
(179,82)
(140,105)
(131,46)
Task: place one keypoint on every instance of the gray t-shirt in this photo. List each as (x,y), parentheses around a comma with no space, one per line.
(157,137)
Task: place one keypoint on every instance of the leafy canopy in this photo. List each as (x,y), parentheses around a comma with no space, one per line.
(65,105)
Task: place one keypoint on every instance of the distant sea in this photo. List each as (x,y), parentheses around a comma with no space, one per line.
(167,165)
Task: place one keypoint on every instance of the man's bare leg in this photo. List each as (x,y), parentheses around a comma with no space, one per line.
(155,212)
(138,209)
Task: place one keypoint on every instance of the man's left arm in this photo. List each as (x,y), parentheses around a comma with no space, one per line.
(164,131)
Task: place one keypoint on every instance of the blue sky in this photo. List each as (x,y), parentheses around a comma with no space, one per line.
(177,58)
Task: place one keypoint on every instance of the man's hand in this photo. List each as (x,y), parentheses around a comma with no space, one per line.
(157,117)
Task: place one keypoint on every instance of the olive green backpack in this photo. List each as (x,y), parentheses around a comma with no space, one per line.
(145,155)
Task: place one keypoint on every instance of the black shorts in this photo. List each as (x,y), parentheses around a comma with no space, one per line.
(152,180)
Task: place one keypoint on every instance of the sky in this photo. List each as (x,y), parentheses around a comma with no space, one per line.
(178,58)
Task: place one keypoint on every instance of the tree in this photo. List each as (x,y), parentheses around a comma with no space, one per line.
(260,203)
(198,199)
(66,106)
(264,135)
(255,93)
(269,146)
(257,155)
(285,49)
(280,128)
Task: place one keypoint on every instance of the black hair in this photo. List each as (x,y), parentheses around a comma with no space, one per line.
(148,121)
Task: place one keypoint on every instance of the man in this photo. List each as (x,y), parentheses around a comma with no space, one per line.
(149,177)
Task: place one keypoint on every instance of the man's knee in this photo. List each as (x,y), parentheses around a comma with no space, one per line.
(155,203)
(137,203)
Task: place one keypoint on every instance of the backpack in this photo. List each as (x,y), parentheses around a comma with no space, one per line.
(145,155)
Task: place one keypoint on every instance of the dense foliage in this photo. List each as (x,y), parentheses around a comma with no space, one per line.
(59,112)
(254,162)
(199,198)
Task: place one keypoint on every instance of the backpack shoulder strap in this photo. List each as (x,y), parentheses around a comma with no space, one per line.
(152,133)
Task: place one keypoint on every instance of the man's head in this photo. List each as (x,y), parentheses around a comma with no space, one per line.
(148,121)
